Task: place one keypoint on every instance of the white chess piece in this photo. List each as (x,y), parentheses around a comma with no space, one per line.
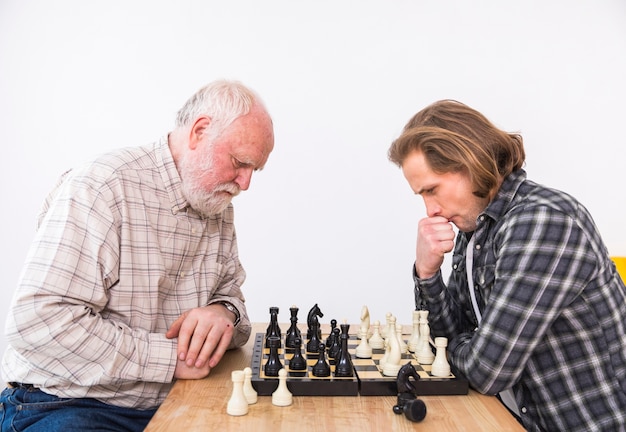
(392,362)
(383,359)
(249,391)
(403,346)
(282,396)
(440,367)
(363,350)
(237,404)
(365,320)
(415,336)
(377,341)
(384,330)
(425,354)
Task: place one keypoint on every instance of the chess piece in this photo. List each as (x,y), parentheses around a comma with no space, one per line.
(415,335)
(414,409)
(248,391)
(293,332)
(377,341)
(403,346)
(383,359)
(363,350)
(440,367)
(392,362)
(331,334)
(282,396)
(237,404)
(273,330)
(321,368)
(344,366)
(335,348)
(425,354)
(313,315)
(313,344)
(273,364)
(297,362)
(384,330)
(365,321)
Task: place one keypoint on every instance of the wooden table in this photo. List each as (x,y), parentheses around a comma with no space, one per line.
(200,405)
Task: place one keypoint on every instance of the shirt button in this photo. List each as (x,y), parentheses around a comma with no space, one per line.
(524,410)
(455,266)
(477,247)
(193,231)
(182,274)
(482,218)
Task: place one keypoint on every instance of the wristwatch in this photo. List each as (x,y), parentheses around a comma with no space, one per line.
(233,309)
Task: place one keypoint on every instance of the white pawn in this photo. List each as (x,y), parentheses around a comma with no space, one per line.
(248,391)
(392,362)
(282,396)
(440,367)
(363,350)
(377,341)
(237,404)
(384,330)
(415,336)
(383,359)
(403,346)
(425,354)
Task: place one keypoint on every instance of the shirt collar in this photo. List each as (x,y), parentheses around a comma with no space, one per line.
(504,198)
(170,176)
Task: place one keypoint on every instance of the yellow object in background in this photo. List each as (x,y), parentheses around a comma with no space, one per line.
(620,263)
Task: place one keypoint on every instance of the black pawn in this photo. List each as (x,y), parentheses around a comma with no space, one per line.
(273,364)
(297,362)
(313,344)
(321,367)
(344,366)
(293,332)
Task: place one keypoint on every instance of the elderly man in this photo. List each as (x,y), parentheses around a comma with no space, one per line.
(133,278)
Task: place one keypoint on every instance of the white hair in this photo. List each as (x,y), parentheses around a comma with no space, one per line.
(223,101)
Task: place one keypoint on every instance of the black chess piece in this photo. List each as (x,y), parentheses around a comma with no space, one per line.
(273,330)
(321,368)
(297,362)
(335,348)
(313,344)
(329,339)
(293,332)
(413,408)
(344,366)
(313,315)
(273,364)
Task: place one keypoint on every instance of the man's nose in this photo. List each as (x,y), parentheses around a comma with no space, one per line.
(244,176)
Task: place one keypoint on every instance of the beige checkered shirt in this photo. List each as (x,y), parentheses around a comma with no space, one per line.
(117,257)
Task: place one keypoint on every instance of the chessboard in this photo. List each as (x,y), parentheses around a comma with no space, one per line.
(368,379)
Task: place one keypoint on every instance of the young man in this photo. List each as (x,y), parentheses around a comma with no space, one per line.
(540,320)
(133,278)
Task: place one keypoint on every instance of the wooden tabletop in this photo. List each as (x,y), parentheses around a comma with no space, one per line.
(200,405)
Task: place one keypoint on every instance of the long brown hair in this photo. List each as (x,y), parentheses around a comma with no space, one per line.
(456,138)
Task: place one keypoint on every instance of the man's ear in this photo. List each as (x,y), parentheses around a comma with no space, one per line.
(198,131)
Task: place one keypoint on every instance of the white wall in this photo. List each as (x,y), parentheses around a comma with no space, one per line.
(329,220)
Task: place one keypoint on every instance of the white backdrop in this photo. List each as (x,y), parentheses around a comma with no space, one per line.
(329,220)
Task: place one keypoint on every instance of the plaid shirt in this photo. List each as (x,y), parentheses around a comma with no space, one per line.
(118,256)
(552,306)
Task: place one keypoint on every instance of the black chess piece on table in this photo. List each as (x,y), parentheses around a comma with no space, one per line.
(273,364)
(330,338)
(343,365)
(413,408)
(293,332)
(313,315)
(321,367)
(312,345)
(273,330)
(297,362)
(335,348)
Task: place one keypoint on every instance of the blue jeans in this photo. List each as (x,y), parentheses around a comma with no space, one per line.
(30,409)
